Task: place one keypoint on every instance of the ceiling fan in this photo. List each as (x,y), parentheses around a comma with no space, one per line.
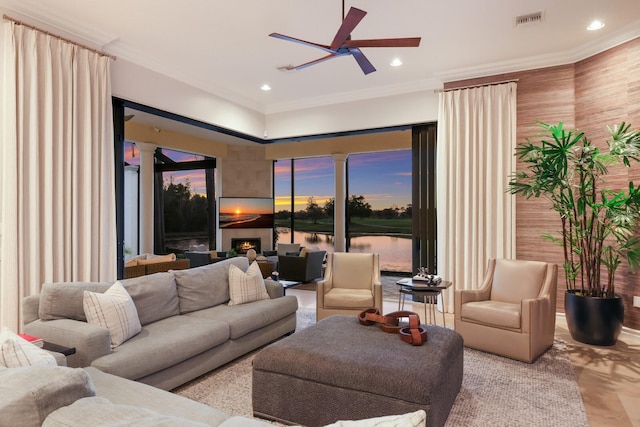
(342,45)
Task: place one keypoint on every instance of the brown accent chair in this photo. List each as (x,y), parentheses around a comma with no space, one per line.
(513,313)
(351,284)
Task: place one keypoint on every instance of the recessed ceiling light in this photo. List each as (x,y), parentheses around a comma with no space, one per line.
(595,25)
(396,62)
(265,87)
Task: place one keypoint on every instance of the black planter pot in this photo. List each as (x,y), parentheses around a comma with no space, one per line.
(596,321)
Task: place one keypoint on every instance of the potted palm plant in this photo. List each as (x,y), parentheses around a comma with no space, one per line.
(598,223)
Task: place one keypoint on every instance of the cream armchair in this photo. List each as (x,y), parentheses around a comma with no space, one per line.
(513,313)
(351,284)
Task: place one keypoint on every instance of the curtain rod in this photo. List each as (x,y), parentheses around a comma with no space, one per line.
(18,22)
(476,85)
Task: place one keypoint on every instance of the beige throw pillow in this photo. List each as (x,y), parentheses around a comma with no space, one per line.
(16,352)
(246,287)
(113,310)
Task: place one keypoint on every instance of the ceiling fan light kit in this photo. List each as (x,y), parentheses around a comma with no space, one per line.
(342,45)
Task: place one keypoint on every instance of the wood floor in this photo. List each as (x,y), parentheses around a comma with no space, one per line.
(608,377)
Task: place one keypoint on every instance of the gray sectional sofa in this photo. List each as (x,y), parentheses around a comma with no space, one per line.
(188,328)
(49,396)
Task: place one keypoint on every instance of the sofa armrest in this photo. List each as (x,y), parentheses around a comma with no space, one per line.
(30,306)
(274,289)
(90,341)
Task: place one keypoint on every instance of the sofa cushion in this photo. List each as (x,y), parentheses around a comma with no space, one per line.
(63,300)
(122,391)
(131,263)
(101,412)
(246,318)
(155,296)
(163,344)
(114,310)
(157,259)
(496,313)
(515,280)
(348,298)
(29,394)
(246,286)
(206,286)
(16,351)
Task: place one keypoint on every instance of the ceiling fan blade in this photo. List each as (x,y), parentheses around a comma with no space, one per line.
(401,42)
(314,62)
(353,18)
(304,42)
(366,66)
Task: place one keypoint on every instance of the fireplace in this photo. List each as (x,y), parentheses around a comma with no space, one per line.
(243,244)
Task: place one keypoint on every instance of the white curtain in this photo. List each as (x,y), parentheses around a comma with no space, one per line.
(58,195)
(476,214)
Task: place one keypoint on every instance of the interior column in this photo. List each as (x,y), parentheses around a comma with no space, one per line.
(146,195)
(340,165)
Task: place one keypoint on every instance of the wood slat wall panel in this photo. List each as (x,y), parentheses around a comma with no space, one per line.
(589,95)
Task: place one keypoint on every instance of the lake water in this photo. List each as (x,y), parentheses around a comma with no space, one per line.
(395,252)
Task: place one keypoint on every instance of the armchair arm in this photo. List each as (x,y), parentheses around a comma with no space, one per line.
(377,295)
(322,287)
(90,341)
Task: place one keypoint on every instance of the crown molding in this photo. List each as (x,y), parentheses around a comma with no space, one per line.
(54,22)
(571,56)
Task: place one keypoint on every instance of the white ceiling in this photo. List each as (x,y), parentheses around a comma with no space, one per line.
(223,46)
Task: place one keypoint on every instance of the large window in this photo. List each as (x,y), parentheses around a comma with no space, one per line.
(379,207)
(309,193)
(185,206)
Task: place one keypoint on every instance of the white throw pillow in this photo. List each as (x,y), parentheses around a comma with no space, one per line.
(246,287)
(412,419)
(113,310)
(16,352)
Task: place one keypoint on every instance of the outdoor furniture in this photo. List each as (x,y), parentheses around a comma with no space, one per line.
(513,313)
(144,269)
(302,268)
(339,369)
(351,284)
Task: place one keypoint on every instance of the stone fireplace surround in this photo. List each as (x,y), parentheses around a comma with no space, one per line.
(243,244)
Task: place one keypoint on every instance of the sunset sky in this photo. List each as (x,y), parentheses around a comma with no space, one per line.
(383,178)
(242,205)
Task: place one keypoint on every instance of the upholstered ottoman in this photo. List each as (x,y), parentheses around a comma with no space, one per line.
(339,369)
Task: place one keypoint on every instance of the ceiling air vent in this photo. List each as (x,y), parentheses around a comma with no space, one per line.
(531,18)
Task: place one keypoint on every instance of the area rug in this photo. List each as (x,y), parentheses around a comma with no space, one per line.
(495,391)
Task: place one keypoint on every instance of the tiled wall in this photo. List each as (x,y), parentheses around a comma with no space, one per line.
(244,172)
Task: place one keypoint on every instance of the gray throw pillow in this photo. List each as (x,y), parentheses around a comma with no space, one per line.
(29,394)
(206,286)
